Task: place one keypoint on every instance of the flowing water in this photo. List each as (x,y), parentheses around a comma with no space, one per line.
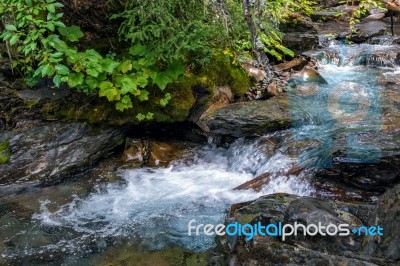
(74,222)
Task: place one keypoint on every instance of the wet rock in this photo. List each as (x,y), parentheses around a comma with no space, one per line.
(43,155)
(309,74)
(379,175)
(385,40)
(368,30)
(332,190)
(387,215)
(393,5)
(5,66)
(295,64)
(154,153)
(306,81)
(136,152)
(325,15)
(374,11)
(206,103)
(131,255)
(301,34)
(247,118)
(272,89)
(44,93)
(262,180)
(377,16)
(163,154)
(345,8)
(300,249)
(257,73)
(328,3)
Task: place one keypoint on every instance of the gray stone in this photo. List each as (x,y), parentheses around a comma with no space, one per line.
(43,155)
(377,16)
(387,215)
(247,118)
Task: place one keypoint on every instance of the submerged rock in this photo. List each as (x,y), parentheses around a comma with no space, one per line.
(43,155)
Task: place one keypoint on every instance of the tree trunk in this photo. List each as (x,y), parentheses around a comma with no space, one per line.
(258,47)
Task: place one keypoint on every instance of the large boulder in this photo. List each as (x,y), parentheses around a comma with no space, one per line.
(387,215)
(381,156)
(247,118)
(42,155)
(299,249)
(368,30)
(301,34)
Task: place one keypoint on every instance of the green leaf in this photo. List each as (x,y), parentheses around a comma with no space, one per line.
(165,100)
(93,55)
(57,80)
(51,8)
(162,80)
(10,27)
(48,71)
(14,39)
(127,85)
(140,116)
(6,35)
(72,33)
(51,26)
(125,66)
(144,95)
(62,70)
(175,70)
(141,79)
(108,90)
(109,65)
(92,72)
(75,79)
(91,82)
(138,49)
(57,54)
(125,103)
(149,116)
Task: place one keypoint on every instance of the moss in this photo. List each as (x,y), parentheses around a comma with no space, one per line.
(178,108)
(31,103)
(5,152)
(222,71)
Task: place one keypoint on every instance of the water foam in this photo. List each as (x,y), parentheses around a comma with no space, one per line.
(154,206)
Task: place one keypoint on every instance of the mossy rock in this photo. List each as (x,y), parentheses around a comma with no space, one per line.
(5,152)
(221,71)
(94,109)
(224,71)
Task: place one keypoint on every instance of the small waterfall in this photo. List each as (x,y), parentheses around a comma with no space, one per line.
(360,54)
(154,206)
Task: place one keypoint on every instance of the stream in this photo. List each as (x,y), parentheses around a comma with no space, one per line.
(78,221)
